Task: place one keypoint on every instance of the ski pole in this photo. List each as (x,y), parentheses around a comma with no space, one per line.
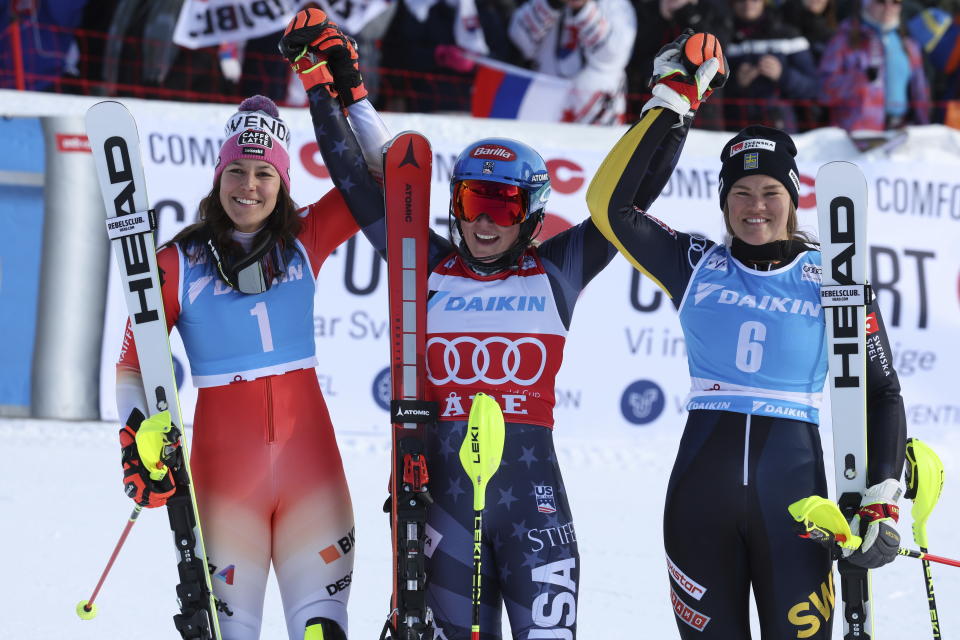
(821,521)
(927,558)
(480,455)
(86,609)
(924,478)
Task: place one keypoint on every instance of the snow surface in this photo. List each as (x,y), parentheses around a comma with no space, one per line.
(64,509)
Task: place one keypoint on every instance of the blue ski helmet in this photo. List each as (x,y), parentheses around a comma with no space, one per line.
(509,162)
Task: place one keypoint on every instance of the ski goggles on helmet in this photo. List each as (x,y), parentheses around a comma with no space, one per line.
(253,273)
(504,204)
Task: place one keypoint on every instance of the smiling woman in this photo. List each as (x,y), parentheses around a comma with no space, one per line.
(498,194)
(757,210)
(500,306)
(489,214)
(239,286)
(248,193)
(760,187)
(754,332)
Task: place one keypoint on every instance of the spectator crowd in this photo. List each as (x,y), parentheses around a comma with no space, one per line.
(795,64)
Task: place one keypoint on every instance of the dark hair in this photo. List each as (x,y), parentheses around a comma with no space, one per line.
(796,13)
(284,223)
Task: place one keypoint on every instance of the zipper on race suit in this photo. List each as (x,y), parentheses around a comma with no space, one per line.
(746,451)
(271,433)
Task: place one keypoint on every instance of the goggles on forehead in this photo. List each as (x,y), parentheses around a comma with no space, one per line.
(504,204)
(253,273)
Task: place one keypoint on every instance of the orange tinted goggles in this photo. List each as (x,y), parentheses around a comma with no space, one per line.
(503,203)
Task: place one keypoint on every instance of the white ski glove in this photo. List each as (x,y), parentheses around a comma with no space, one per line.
(875,522)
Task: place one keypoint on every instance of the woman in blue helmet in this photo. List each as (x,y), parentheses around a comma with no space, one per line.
(498,313)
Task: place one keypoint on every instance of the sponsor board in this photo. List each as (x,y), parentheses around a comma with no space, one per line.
(912,272)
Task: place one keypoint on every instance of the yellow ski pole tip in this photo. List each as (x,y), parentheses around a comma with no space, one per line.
(86,611)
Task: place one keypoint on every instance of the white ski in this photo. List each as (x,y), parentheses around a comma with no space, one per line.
(115,145)
(842,211)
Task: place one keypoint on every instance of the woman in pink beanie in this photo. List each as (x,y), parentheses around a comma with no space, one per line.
(239,285)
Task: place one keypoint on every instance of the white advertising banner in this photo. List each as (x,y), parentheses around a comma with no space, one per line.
(205,23)
(625,368)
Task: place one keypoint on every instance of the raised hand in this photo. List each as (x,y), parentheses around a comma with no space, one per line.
(323,55)
(686,72)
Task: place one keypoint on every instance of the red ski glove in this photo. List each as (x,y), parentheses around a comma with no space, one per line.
(143,447)
(322,54)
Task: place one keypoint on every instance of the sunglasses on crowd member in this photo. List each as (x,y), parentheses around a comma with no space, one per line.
(505,204)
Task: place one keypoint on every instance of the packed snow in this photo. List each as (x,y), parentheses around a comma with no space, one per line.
(64,510)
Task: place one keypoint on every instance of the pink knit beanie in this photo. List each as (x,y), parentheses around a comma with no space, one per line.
(256,132)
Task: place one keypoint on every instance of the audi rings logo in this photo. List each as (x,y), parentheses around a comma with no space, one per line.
(495,360)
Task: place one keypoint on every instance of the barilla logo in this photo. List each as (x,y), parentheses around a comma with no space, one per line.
(494,152)
(755,143)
